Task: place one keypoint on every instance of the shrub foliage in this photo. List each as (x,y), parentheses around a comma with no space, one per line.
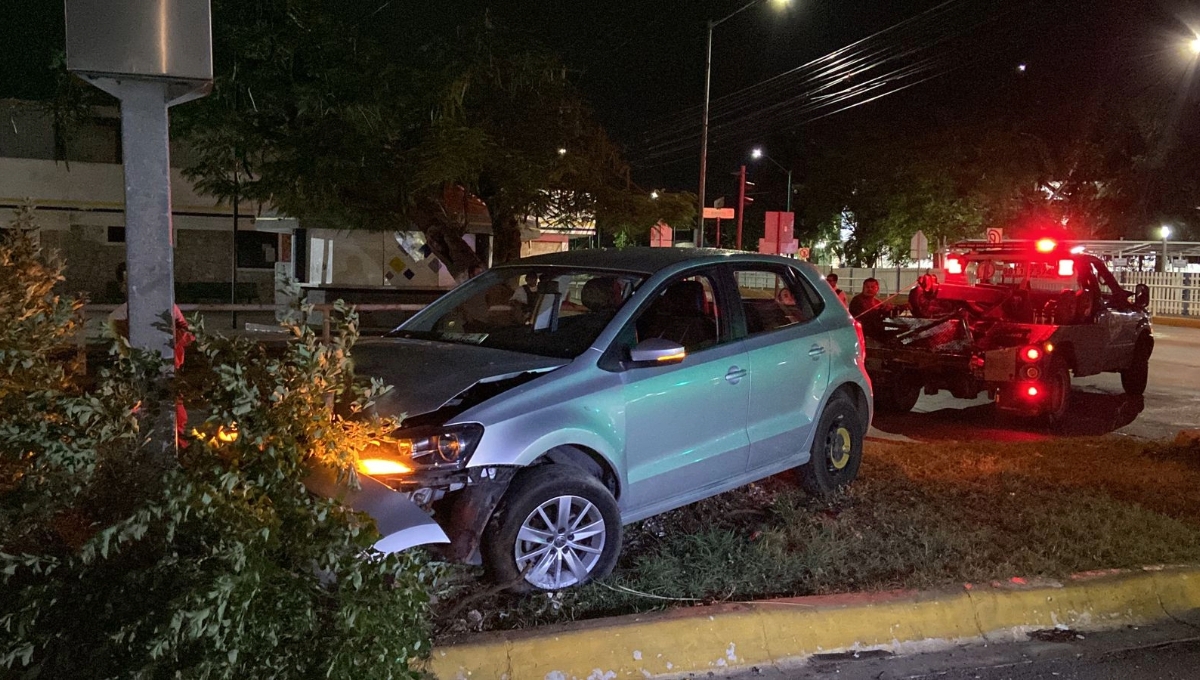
(118,559)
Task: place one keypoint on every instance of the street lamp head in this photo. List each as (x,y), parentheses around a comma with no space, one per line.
(1194,45)
(756,153)
(1166,232)
(562,151)
(653,195)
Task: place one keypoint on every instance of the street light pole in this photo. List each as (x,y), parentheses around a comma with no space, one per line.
(1166,233)
(704,124)
(758,153)
(704,136)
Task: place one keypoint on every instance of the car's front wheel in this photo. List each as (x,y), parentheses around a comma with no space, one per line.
(557,527)
(836,450)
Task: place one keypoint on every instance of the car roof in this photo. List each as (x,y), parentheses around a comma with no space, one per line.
(643,260)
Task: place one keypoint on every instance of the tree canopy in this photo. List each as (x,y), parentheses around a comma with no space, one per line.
(358,117)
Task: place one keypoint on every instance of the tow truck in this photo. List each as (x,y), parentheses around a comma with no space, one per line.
(1016,320)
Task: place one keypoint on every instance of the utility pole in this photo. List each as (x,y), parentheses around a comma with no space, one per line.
(741,203)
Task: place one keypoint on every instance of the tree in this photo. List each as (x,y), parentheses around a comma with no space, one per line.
(323,111)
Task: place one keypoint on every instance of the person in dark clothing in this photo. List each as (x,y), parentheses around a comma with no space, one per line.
(869,309)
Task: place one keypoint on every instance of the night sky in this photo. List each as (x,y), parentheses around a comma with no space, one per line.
(640,62)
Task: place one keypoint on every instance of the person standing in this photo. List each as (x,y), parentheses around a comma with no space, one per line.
(869,309)
(832,280)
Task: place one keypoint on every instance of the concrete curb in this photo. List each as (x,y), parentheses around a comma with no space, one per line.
(742,635)
(1177,321)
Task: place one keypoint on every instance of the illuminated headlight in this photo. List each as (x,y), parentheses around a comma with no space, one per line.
(433,448)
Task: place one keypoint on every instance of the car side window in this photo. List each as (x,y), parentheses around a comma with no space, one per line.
(772,298)
(685,310)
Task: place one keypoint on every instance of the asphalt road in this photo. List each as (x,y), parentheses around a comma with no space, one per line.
(1165,652)
(1098,405)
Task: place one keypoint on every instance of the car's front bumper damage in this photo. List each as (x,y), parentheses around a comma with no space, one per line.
(447,510)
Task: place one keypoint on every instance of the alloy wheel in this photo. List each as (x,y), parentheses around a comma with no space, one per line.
(560,542)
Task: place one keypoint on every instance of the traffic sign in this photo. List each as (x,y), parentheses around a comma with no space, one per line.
(995,235)
(718,213)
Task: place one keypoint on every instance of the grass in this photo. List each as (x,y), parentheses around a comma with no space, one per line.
(920,516)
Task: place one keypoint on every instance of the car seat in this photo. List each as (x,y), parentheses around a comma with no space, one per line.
(678,315)
(602,294)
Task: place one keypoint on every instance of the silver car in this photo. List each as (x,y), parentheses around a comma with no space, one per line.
(547,402)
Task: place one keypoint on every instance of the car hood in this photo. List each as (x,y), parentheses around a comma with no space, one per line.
(426,375)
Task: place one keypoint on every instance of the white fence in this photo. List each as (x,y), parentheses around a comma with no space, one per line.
(892,280)
(1171,293)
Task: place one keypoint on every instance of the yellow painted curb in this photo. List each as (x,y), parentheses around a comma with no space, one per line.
(703,639)
(1178,321)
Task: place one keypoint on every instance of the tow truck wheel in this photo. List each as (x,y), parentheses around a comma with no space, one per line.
(1058,391)
(836,449)
(897,395)
(1135,377)
(557,527)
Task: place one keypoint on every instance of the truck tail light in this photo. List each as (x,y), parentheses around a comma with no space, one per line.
(1066,267)
(953,265)
(1031,353)
(1032,391)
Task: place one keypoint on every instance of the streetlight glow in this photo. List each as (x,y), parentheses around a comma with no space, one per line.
(562,151)
(1166,232)
(1194,45)
(756,153)
(653,194)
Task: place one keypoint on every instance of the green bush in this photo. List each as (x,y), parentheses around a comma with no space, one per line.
(120,557)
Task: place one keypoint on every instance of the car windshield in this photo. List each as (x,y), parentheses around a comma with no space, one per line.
(549,311)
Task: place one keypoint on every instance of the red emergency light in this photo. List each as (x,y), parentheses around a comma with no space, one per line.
(953,265)
(1066,267)
(1046,245)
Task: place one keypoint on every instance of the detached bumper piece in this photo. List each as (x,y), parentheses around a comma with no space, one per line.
(402,522)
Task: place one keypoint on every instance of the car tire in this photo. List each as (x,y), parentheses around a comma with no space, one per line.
(897,395)
(836,450)
(529,545)
(1058,398)
(1135,377)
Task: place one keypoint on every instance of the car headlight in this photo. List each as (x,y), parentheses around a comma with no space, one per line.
(426,448)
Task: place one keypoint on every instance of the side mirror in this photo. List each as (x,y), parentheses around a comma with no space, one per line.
(1141,296)
(656,352)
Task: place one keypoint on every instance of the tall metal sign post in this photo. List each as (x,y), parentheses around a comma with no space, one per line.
(151,55)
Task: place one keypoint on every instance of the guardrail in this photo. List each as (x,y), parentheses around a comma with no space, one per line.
(323,313)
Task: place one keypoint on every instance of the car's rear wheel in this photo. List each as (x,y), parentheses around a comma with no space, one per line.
(836,449)
(1137,375)
(557,527)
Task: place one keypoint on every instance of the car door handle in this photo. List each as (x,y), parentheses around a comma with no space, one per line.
(734,375)
(816,351)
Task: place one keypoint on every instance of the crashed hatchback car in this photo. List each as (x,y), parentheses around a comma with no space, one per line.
(536,420)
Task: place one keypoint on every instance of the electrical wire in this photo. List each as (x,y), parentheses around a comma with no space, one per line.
(918,49)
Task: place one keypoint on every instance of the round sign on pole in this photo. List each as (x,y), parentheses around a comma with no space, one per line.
(995,235)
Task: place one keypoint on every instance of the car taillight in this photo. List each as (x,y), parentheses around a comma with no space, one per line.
(862,341)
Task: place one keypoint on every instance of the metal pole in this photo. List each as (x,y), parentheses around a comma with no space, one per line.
(1164,265)
(704,137)
(148,230)
(789,198)
(741,203)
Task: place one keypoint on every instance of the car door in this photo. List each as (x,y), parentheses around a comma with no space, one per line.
(685,423)
(789,357)
(1115,317)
